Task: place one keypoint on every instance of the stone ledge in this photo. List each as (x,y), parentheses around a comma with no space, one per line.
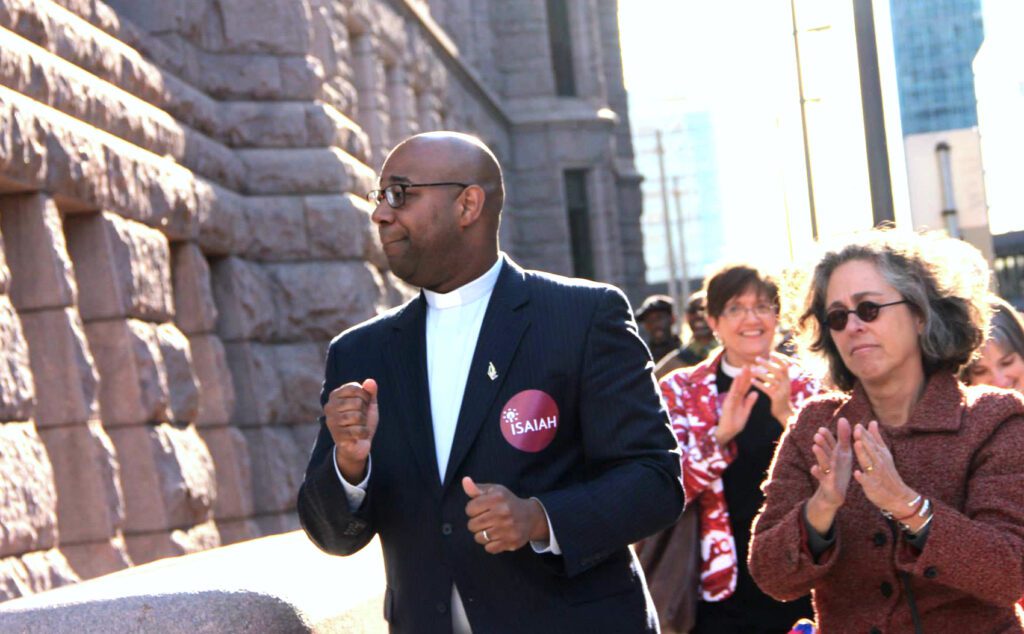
(274,584)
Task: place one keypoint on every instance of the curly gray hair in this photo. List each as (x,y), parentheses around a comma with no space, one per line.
(945,281)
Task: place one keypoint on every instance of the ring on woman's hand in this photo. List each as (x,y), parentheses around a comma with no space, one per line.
(827,471)
(869,468)
(487,537)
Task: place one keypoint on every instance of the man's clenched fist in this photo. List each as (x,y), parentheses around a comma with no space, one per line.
(351,413)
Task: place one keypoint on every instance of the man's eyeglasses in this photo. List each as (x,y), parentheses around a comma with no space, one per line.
(737,312)
(866,311)
(395,193)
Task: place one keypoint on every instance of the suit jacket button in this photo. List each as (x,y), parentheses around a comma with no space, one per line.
(886,589)
(446,529)
(441,607)
(879,539)
(930,572)
(875,630)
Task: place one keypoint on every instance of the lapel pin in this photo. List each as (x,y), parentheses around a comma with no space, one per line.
(491,372)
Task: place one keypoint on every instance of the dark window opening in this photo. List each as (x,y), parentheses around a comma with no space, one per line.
(561,48)
(579,223)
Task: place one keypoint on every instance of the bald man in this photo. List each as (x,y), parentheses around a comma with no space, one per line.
(502,432)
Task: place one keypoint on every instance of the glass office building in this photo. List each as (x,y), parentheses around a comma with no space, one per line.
(935,42)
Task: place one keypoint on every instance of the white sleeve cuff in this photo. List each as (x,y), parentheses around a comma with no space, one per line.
(551,545)
(355,492)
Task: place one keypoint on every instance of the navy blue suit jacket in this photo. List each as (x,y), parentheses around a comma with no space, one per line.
(608,478)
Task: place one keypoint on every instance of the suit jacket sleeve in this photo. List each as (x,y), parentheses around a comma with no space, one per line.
(634,488)
(322,505)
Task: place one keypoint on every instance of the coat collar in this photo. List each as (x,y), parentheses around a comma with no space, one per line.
(940,409)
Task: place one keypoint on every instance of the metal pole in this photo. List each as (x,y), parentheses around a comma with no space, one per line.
(673,288)
(803,122)
(685,291)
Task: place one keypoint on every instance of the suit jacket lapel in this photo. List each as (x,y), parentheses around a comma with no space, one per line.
(407,358)
(502,329)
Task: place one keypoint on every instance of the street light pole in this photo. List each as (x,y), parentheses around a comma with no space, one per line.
(673,288)
(685,292)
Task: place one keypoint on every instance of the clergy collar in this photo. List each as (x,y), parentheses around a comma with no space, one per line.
(467,293)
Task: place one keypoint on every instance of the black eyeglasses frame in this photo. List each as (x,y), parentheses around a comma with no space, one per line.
(394,193)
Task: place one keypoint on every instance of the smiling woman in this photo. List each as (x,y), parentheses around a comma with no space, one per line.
(917,476)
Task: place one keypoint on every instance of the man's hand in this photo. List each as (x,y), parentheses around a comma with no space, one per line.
(351,413)
(499,520)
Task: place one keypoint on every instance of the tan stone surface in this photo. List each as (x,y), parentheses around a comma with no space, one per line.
(66,380)
(305,434)
(97,558)
(234,531)
(41,274)
(278,226)
(231,461)
(122,266)
(277,468)
(277,523)
(147,547)
(318,300)
(223,590)
(305,171)
(216,386)
(5,273)
(300,368)
(169,478)
(259,394)
(194,309)
(90,505)
(32,573)
(28,501)
(339,226)
(182,385)
(223,225)
(17,387)
(245,300)
(133,379)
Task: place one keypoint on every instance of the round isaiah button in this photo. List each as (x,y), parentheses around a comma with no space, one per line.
(529,420)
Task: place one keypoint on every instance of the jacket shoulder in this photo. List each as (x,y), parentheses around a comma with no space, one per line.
(544,282)
(372,328)
(986,403)
(818,410)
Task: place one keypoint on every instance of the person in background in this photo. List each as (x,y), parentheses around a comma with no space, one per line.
(728,412)
(898,501)
(697,347)
(1001,362)
(657,317)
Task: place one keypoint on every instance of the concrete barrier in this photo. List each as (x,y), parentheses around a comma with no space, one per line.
(274,584)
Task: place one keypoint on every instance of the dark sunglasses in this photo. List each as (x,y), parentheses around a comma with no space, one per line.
(866,311)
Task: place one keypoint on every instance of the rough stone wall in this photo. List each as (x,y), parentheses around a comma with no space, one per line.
(182,232)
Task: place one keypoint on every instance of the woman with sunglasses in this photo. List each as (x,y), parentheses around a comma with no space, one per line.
(899,500)
(1001,362)
(728,412)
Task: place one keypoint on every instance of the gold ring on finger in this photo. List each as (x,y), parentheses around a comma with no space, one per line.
(827,471)
(869,468)
(487,537)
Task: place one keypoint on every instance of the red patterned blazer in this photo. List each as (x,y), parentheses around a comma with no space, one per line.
(694,405)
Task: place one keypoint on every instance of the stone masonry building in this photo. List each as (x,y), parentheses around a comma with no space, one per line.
(183,232)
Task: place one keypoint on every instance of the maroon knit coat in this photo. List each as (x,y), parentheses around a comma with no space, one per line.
(963,448)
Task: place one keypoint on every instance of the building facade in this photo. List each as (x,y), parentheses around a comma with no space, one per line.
(184,230)
(935,43)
